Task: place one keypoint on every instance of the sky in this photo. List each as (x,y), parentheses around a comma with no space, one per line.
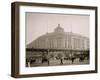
(38,24)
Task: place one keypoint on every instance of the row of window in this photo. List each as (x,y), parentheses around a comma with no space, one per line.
(62,43)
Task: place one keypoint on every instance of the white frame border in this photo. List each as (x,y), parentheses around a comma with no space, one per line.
(53,69)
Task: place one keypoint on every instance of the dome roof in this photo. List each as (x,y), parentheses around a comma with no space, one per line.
(58,35)
(59,29)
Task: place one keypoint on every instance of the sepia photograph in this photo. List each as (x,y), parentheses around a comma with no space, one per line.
(53,39)
(57,39)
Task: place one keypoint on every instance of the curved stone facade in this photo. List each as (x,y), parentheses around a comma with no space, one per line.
(60,40)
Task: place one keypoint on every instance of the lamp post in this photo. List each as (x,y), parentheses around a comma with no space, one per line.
(71,50)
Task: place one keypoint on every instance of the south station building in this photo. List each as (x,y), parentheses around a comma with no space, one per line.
(57,42)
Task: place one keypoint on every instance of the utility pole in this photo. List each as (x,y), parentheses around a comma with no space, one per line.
(72,58)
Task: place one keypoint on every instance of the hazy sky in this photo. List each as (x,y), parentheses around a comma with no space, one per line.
(38,24)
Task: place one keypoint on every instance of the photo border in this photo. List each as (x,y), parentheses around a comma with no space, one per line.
(15,32)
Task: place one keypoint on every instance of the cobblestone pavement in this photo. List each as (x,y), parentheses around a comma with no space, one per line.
(58,62)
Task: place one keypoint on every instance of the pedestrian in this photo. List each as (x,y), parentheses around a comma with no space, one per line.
(73,60)
(61,61)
